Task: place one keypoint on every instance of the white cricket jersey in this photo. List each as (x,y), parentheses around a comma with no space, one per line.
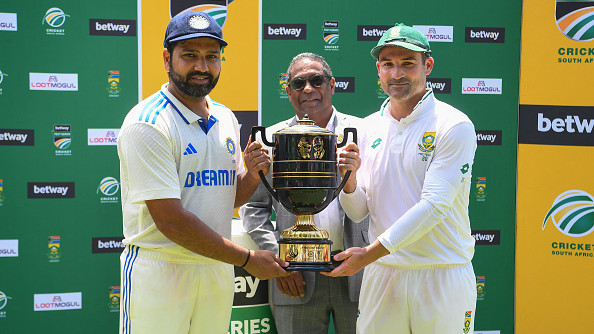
(414,182)
(165,153)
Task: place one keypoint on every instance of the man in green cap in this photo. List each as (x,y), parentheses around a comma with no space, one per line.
(414,183)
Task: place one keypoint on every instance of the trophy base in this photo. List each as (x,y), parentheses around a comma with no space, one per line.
(306,266)
(306,254)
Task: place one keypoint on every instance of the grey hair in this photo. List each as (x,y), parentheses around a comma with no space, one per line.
(313,57)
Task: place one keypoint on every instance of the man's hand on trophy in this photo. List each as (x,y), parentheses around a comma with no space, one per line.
(256,159)
(349,160)
(356,258)
(292,285)
(265,265)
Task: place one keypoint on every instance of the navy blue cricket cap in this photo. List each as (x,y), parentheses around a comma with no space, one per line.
(193,24)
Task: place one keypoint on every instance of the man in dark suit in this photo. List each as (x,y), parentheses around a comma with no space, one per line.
(303,301)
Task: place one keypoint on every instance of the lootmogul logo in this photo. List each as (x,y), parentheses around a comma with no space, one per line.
(57,301)
(437,33)
(572,213)
(53,81)
(102,137)
(481,86)
(8,21)
(217,9)
(575,19)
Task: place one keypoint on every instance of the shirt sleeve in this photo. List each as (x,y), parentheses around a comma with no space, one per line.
(148,162)
(448,173)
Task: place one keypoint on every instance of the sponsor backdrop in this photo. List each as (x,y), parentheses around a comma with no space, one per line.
(64,97)
(555,221)
(476,70)
(69,78)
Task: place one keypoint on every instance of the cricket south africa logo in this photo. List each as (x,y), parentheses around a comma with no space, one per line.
(572,213)
(217,9)
(575,19)
(55,17)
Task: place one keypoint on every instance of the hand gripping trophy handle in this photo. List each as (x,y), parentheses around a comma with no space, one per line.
(352,131)
(262,130)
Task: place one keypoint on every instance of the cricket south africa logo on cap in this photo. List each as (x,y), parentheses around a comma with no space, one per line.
(575,19)
(217,9)
(572,213)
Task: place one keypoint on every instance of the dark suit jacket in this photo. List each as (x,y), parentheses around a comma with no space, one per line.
(256,214)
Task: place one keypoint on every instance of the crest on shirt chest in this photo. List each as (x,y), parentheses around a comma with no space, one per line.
(427,145)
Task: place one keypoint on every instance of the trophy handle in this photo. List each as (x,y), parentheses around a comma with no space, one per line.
(256,129)
(353,131)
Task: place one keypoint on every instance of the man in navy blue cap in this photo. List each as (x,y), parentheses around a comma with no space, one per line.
(182,173)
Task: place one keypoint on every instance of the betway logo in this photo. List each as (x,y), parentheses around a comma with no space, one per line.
(437,33)
(249,290)
(107,27)
(488,137)
(570,124)
(556,125)
(50,190)
(486,237)
(484,35)
(61,128)
(371,32)
(284,31)
(16,137)
(107,245)
(440,85)
(344,84)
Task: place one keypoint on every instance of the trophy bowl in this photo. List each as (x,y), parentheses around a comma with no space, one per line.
(305,179)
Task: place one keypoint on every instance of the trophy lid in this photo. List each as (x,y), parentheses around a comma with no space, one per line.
(305,126)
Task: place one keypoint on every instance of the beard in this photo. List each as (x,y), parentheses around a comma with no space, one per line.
(402,95)
(192,89)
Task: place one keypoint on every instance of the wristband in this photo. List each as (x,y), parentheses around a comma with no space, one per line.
(247,259)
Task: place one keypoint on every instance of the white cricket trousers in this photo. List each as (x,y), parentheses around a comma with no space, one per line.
(425,300)
(164,293)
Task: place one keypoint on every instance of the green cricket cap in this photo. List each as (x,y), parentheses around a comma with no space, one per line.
(403,36)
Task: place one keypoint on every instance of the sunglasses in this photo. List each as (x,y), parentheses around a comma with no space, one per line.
(316,81)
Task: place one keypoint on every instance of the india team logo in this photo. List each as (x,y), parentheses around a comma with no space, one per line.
(217,9)
(427,143)
(572,213)
(230,146)
(55,17)
(53,245)
(575,19)
(109,186)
